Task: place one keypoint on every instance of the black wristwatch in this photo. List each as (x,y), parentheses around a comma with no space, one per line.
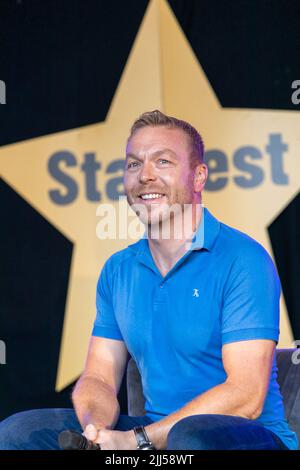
(143,441)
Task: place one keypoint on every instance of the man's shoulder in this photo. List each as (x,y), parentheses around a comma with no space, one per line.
(119,257)
(240,245)
(239,257)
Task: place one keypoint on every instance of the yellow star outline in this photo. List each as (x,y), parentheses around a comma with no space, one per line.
(161,72)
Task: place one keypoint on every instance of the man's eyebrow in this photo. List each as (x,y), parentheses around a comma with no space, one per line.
(154,154)
(165,150)
(132,155)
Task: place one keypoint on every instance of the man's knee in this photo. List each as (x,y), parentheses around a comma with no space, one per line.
(36,429)
(12,429)
(193,432)
(180,436)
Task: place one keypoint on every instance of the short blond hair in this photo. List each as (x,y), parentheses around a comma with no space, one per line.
(157,118)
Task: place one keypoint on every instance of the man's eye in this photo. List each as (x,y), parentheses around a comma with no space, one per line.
(163,161)
(132,164)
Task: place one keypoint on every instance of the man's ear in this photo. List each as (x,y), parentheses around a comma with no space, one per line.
(200,177)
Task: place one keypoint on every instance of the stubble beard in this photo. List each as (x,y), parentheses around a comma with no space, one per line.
(167,220)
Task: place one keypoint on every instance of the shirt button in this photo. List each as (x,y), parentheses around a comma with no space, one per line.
(161,285)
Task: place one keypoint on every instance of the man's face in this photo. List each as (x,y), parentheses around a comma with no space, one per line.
(157,172)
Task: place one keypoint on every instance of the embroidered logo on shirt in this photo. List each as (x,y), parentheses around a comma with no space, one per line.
(196,293)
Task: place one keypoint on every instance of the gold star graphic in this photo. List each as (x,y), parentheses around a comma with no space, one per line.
(161,72)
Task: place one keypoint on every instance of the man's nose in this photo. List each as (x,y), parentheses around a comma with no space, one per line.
(147,173)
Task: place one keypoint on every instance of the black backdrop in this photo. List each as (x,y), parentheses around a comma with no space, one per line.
(61,61)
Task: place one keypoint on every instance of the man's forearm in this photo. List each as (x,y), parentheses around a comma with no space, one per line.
(95,403)
(225,398)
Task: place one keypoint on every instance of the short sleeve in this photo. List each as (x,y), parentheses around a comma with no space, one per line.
(105,324)
(251,297)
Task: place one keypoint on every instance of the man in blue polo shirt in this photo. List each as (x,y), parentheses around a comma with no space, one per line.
(199,313)
(201,321)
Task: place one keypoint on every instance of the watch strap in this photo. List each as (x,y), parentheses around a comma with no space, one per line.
(142,439)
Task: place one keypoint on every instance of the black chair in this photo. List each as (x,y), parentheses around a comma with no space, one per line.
(288,380)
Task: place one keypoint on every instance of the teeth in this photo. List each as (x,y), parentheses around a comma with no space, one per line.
(151,196)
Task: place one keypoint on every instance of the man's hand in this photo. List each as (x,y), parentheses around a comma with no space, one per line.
(109,439)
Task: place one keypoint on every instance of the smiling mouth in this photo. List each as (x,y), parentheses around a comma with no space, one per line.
(151,196)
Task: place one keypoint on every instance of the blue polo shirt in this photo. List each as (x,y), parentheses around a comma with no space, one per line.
(224,289)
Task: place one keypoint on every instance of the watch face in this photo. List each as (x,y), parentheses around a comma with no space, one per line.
(143,442)
(145,446)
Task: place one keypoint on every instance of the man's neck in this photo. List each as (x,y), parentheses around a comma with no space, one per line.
(166,252)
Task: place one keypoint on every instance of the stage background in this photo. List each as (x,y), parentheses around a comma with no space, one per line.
(62,62)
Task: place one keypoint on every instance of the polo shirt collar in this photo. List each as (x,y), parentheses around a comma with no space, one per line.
(207,232)
(204,238)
